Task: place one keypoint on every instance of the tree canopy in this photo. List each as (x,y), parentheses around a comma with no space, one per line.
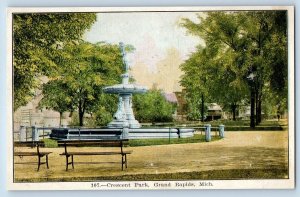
(36,39)
(84,69)
(152,107)
(56,98)
(239,57)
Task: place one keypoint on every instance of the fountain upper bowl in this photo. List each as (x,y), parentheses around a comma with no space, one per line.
(125,89)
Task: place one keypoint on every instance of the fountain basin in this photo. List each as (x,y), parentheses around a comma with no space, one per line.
(150,133)
(125,89)
(116,133)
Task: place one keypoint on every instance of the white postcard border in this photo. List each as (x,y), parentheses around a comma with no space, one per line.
(199,184)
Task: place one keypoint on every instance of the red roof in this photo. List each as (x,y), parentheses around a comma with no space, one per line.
(171,97)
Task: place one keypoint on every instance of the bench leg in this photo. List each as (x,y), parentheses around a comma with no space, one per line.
(39,163)
(126,160)
(72,162)
(47,161)
(67,162)
(122,162)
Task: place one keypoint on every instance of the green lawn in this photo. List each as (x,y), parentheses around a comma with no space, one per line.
(49,143)
(264,123)
(151,142)
(230,125)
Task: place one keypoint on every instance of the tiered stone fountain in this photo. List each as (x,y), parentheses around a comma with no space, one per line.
(124,114)
(123,120)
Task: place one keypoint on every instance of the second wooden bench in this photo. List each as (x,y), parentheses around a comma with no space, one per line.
(118,144)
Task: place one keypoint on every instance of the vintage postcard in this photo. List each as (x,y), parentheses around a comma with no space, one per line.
(154,98)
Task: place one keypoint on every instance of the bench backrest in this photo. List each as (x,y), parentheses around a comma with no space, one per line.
(31,144)
(93,143)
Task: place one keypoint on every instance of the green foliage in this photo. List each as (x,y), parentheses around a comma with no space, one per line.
(36,38)
(84,69)
(103,117)
(49,143)
(56,98)
(237,44)
(194,108)
(106,107)
(195,80)
(74,120)
(152,107)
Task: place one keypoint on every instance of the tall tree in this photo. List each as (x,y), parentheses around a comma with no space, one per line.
(196,79)
(84,70)
(207,75)
(263,30)
(241,41)
(36,37)
(227,87)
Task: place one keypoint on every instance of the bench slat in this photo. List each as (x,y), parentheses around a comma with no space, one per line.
(96,153)
(98,140)
(93,143)
(89,145)
(29,144)
(30,153)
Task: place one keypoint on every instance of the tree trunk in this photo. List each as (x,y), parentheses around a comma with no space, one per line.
(80,113)
(60,117)
(258,106)
(81,119)
(252,108)
(256,109)
(258,114)
(202,108)
(233,109)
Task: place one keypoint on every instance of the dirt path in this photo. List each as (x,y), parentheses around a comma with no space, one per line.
(239,150)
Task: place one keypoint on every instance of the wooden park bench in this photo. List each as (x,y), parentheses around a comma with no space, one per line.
(34,153)
(119,145)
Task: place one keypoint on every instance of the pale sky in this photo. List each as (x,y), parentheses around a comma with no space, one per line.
(154,35)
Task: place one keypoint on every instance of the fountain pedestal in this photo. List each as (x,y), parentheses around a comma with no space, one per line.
(124,113)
